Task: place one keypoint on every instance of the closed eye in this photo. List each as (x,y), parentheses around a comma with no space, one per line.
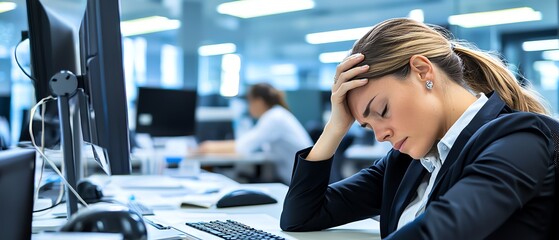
(384,111)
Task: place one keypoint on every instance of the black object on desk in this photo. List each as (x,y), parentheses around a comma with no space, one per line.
(17,172)
(112,219)
(244,197)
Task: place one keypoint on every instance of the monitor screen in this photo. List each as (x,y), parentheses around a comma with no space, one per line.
(177,118)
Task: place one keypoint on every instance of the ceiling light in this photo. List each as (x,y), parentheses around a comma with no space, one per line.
(333,57)
(505,16)
(337,36)
(148,25)
(417,15)
(552,55)
(257,8)
(230,75)
(7,6)
(217,49)
(540,45)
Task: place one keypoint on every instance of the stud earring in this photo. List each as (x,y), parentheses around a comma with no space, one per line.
(429,84)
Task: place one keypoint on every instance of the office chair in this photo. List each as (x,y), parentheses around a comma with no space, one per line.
(554,127)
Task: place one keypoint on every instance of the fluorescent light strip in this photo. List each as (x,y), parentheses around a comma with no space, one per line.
(148,25)
(257,8)
(230,75)
(7,6)
(505,16)
(217,49)
(417,14)
(540,45)
(333,57)
(336,36)
(552,55)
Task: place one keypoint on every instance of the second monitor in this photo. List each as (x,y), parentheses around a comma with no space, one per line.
(166,112)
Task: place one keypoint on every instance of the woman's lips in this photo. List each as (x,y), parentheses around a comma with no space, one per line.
(399,144)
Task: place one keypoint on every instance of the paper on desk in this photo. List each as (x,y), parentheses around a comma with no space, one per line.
(146,182)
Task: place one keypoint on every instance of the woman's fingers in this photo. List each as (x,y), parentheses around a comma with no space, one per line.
(340,94)
(346,70)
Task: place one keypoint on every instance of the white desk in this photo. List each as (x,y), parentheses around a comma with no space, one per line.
(366,229)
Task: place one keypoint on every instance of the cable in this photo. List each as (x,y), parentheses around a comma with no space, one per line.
(52,164)
(61,189)
(19,65)
(47,208)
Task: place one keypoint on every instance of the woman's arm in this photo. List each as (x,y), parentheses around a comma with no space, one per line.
(223,146)
(311,204)
(341,119)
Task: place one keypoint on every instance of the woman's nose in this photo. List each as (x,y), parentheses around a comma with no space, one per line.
(382,134)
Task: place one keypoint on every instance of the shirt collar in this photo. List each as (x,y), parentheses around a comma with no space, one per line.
(435,159)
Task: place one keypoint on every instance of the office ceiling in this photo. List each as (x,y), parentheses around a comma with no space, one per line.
(283,36)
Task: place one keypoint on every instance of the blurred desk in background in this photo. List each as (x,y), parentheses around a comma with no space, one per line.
(362,156)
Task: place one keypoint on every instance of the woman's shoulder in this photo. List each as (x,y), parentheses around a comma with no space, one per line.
(509,123)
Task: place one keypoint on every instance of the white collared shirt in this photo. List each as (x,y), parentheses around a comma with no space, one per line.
(435,159)
(280,135)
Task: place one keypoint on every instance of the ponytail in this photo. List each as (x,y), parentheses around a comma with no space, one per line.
(484,73)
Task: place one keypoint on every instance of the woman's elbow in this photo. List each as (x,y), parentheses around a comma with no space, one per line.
(295,224)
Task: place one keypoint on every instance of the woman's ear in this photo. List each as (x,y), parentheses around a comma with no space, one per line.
(423,67)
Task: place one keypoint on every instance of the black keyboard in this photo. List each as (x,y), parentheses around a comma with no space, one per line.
(139,208)
(232,230)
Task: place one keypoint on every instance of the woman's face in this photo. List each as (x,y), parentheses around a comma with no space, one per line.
(401,111)
(256,106)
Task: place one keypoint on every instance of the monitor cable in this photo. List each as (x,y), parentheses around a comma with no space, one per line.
(18,64)
(61,190)
(39,150)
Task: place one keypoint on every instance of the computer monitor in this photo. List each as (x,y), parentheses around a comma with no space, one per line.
(105,122)
(102,67)
(50,40)
(17,174)
(164,112)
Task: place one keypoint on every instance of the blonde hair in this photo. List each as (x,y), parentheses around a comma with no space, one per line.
(389,45)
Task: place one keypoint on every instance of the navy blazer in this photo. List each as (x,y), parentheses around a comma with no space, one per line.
(496,183)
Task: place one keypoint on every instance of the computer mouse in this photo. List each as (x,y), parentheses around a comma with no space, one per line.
(89,192)
(108,219)
(244,197)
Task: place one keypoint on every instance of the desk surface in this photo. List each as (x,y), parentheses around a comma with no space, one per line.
(366,229)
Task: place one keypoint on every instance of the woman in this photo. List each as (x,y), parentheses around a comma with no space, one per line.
(471,157)
(277,131)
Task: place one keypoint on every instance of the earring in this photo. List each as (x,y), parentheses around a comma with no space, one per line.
(429,84)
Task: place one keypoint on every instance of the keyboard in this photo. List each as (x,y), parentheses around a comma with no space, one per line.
(139,208)
(230,229)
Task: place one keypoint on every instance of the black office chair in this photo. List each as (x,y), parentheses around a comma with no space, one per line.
(554,127)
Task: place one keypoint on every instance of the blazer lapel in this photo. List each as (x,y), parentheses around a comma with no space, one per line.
(405,192)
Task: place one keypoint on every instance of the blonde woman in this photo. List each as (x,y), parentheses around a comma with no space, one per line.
(471,158)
